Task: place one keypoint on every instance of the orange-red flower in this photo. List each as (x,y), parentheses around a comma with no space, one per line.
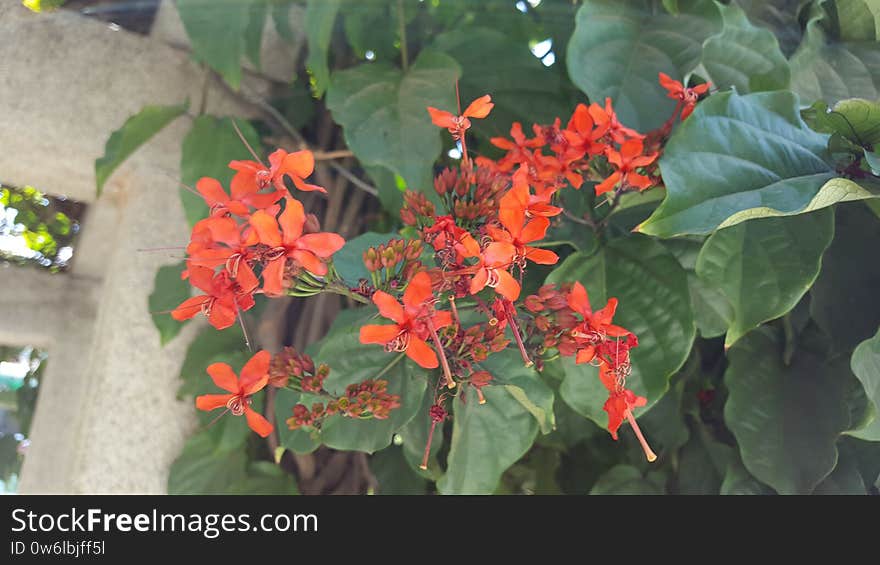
(412,322)
(627,160)
(518,150)
(520,232)
(687,97)
(596,326)
(297,165)
(286,241)
(241,200)
(620,401)
(254,376)
(588,125)
(222,241)
(457,125)
(618,132)
(224,296)
(493,270)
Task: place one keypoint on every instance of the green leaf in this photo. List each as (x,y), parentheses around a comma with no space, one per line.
(207,466)
(524,384)
(351,362)
(744,56)
(210,346)
(383,113)
(298,441)
(856,119)
(319,19)
(780,16)
(872,159)
(743,157)
(625,479)
(394,474)
(857,20)
(786,419)
(654,304)
(844,480)
(865,365)
(136,131)
(765,266)
(216,30)
(253,33)
(712,310)
(486,440)
(349,261)
(265,478)
(619,47)
(169,290)
(843,300)
(207,150)
(738,481)
(666,421)
(828,70)
(522,88)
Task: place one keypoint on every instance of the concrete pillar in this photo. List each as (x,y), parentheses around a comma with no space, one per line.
(107,418)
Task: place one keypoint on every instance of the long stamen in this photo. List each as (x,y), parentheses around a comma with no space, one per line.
(480,395)
(450,383)
(454,310)
(516,335)
(424,465)
(649,453)
(246,144)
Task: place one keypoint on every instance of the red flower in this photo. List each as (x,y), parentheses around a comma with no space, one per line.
(587,126)
(619,133)
(223,298)
(254,376)
(412,322)
(457,125)
(519,232)
(308,251)
(241,201)
(492,270)
(687,97)
(297,165)
(627,160)
(534,204)
(596,326)
(619,404)
(518,150)
(221,241)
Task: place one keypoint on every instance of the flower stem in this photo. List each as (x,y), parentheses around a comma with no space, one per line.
(424,465)
(450,383)
(516,335)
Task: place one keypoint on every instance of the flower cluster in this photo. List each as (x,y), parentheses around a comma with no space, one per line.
(257,231)
(365,400)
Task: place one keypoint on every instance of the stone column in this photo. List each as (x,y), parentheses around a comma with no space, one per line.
(107,418)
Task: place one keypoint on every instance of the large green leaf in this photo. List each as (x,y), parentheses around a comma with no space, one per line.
(394,474)
(383,113)
(491,62)
(486,440)
(524,384)
(625,479)
(738,481)
(216,30)
(654,304)
(857,20)
(207,150)
(843,300)
(765,266)
(743,157)
(211,346)
(319,19)
(744,56)
(823,69)
(866,366)
(619,47)
(169,290)
(786,418)
(136,131)
(712,310)
(844,480)
(349,261)
(298,441)
(207,467)
(351,362)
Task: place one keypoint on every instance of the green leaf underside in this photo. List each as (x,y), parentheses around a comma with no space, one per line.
(765,266)
(786,419)
(137,130)
(744,157)
(619,47)
(866,367)
(383,113)
(654,304)
(216,31)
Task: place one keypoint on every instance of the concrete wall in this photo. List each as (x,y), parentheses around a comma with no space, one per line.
(107,419)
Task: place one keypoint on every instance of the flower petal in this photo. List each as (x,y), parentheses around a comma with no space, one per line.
(189,308)
(212,191)
(418,291)
(292,220)
(388,306)
(266,227)
(374,333)
(479,108)
(257,422)
(419,351)
(212,401)
(298,164)
(322,244)
(223,376)
(256,367)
